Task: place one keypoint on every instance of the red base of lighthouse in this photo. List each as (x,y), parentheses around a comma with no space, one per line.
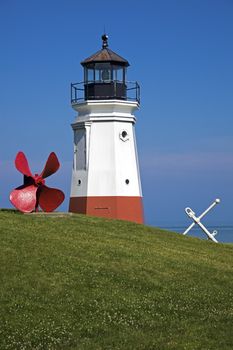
(122,208)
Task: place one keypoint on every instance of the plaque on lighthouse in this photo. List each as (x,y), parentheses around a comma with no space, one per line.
(105,175)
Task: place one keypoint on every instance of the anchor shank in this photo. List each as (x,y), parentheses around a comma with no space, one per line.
(207,232)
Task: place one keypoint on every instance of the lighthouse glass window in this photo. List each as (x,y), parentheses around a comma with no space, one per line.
(90,75)
(118,73)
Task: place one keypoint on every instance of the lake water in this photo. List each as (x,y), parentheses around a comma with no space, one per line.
(225,233)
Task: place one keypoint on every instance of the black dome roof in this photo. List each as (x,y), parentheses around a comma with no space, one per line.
(105,55)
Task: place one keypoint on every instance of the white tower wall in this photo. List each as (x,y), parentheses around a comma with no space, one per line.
(105,156)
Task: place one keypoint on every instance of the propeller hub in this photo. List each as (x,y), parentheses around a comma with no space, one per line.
(39,180)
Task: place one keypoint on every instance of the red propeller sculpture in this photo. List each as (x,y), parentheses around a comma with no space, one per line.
(33,193)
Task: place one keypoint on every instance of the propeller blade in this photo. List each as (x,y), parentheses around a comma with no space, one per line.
(49,198)
(51,166)
(24,198)
(21,164)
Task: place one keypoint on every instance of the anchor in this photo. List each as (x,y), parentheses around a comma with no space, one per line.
(197,220)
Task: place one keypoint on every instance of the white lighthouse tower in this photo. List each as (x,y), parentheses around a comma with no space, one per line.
(105,176)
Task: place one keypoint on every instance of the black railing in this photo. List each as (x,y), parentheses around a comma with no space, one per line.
(81,92)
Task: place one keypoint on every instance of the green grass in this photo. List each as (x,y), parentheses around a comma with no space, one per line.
(87,283)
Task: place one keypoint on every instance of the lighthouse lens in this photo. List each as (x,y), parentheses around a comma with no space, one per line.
(105,74)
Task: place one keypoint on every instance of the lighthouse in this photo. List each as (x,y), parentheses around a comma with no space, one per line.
(105,176)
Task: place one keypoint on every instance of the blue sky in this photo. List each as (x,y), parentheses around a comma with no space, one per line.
(180,52)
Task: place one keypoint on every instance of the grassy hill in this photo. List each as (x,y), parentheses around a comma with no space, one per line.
(83,283)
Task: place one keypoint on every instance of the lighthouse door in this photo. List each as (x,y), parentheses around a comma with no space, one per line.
(80,149)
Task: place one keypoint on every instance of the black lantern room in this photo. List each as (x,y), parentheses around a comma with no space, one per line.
(105,74)
(104,77)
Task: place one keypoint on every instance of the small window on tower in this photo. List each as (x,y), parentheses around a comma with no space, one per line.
(124,136)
